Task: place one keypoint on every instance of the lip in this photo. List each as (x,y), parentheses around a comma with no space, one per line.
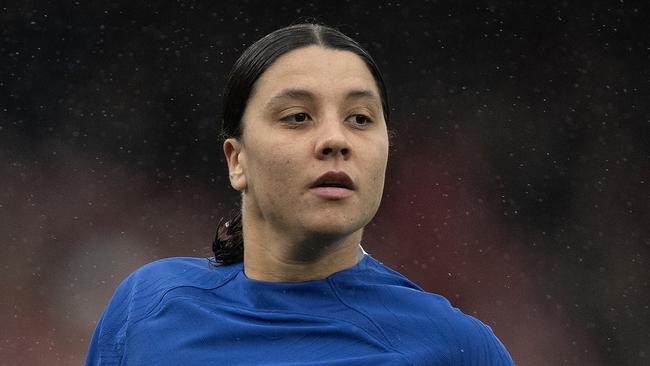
(333,185)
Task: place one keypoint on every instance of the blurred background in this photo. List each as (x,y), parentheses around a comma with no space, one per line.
(518,183)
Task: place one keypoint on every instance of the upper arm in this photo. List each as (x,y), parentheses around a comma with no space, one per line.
(481,347)
(106,346)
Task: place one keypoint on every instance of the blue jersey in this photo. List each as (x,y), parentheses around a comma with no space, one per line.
(188,311)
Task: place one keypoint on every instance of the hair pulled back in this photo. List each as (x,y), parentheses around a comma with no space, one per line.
(228,245)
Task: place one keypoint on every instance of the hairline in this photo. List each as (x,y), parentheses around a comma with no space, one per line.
(340,42)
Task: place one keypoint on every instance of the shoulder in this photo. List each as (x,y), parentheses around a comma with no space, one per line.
(142,290)
(150,282)
(375,283)
(177,271)
(474,343)
(428,321)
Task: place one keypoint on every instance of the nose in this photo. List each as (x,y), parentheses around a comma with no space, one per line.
(332,142)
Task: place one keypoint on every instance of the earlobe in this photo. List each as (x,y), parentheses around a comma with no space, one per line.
(232,149)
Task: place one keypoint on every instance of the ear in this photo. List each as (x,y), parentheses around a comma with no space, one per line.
(235,157)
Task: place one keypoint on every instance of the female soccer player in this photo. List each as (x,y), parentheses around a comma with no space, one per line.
(306,142)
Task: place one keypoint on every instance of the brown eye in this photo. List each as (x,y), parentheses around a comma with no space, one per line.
(359,119)
(300,117)
(296,118)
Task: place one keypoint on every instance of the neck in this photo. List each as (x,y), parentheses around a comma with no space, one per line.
(278,259)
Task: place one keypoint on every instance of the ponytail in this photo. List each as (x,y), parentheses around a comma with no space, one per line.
(228,244)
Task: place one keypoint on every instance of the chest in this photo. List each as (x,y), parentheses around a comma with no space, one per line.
(201,332)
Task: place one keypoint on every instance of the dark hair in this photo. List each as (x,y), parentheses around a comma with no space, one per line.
(228,245)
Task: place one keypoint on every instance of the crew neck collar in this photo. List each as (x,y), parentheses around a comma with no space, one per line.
(360,265)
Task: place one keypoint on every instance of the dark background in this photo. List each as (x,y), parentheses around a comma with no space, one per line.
(518,184)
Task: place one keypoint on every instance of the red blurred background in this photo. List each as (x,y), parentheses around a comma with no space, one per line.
(517,183)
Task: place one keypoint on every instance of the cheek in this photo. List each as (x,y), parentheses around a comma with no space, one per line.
(374,169)
(379,159)
(276,186)
(270,169)
(380,176)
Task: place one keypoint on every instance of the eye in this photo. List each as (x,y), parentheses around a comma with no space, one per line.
(359,119)
(296,118)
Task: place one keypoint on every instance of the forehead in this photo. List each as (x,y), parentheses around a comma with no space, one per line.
(323,71)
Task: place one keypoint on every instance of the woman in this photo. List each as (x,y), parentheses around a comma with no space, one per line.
(306,142)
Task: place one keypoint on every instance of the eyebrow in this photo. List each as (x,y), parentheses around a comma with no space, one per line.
(306,95)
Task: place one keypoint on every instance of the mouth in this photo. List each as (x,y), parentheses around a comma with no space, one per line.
(333,185)
(335,180)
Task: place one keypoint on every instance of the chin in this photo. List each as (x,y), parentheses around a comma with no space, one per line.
(334,228)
